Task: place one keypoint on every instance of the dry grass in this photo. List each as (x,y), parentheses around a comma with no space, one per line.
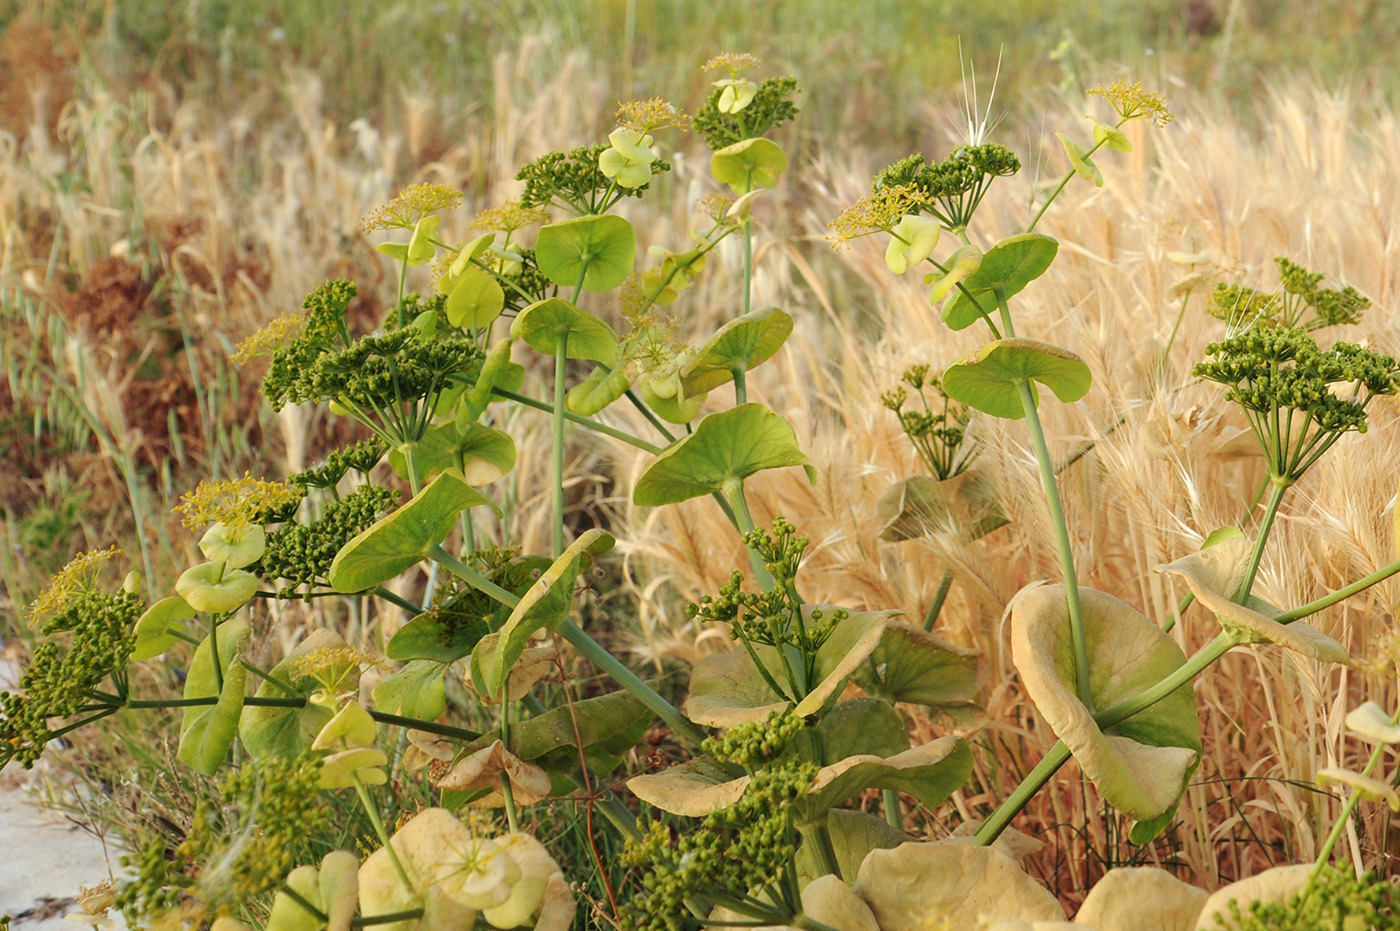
(236,215)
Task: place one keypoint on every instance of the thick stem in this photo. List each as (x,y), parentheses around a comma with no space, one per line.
(815,836)
(939,597)
(591,424)
(1340,826)
(1078,643)
(734,491)
(373,811)
(561,363)
(1270,512)
(1011,806)
(748,261)
(894,809)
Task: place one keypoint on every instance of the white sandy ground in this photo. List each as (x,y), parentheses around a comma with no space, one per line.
(44,858)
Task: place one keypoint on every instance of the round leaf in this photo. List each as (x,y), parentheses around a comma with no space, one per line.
(597,391)
(1140,765)
(151,637)
(986,379)
(727,446)
(286,732)
(214,588)
(1011,264)
(743,343)
(749,164)
(600,248)
(541,324)
(1128,898)
(930,773)
(476,299)
(400,539)
(917,506)
(415,691)
(481,454)
(913,665)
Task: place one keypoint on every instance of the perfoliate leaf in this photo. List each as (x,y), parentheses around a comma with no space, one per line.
(1011,264)
(743,343)
(597,391)
(480,454)
(748,164)
(1131,898)
(214,588)
(152,638)
(476,299)
(415,691)
(1083,165)
(930,773)
(987,378)
(286,732)
(207,731)
(1140,766)
(727,446)
(601,249)
(918,506)
(915,666)
(400,539)
(541,324)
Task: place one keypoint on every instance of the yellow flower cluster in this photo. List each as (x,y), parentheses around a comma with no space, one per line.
(644,116)
(736,63)
(272,336)
(411,205)
(1132,102)
(507,218)
(331,665)
(874,212)
(235,502)
(78,576)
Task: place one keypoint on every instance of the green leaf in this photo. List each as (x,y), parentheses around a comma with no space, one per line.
(913,665)
(743,343)
(476,300)
(415,691)
(496,371)
(918,506)
(286,732)
(600,248)
(151,637)
(1083,165)
(749,164)
(986,378)
(667,401)
(960,265)
(541,324)
(1114,138)
(1011,264)
(859,726)
(214,588)
(398,251)
(544,604)
(1141,765)
(1129,898)
(420,247)
(727,446)
(481,454)
(726,689)
(597,391)
(607,721)
(427,637)
(402,538)
(207,731)
(853,835)
(930,773)
(693,789)
(1214,574)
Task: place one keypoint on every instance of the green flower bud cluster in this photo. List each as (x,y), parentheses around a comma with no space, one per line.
(378,373)
(1275,369)
(362,457)
(61,683)
(573,179)
(936,437)
(325,327)
(770,107)
(302,554)
(236,850)
(1334,899)
(756,742)
(735,853)
(952,189)
(1245,307)
(526,286)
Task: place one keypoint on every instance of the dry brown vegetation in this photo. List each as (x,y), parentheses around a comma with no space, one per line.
(149,234)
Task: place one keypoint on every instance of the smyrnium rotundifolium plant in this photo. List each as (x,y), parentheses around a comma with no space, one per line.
(450,675)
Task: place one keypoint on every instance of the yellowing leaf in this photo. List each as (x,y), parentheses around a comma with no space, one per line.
(1140,765)
(1133,898)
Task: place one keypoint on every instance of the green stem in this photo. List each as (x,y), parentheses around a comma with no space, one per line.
(387,918)
(650,415)
(591,424)
(399,600)
(432,727)
(1078,643)
(585,644)
(815,836)
(561,362)
(1061,186)
(1270,512)
(748,259)
(1342,820)
(297,897)
(741,387)
(373,811)
(734,491)
(938,598)
(1011,806)
(214,652)
(894,809)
